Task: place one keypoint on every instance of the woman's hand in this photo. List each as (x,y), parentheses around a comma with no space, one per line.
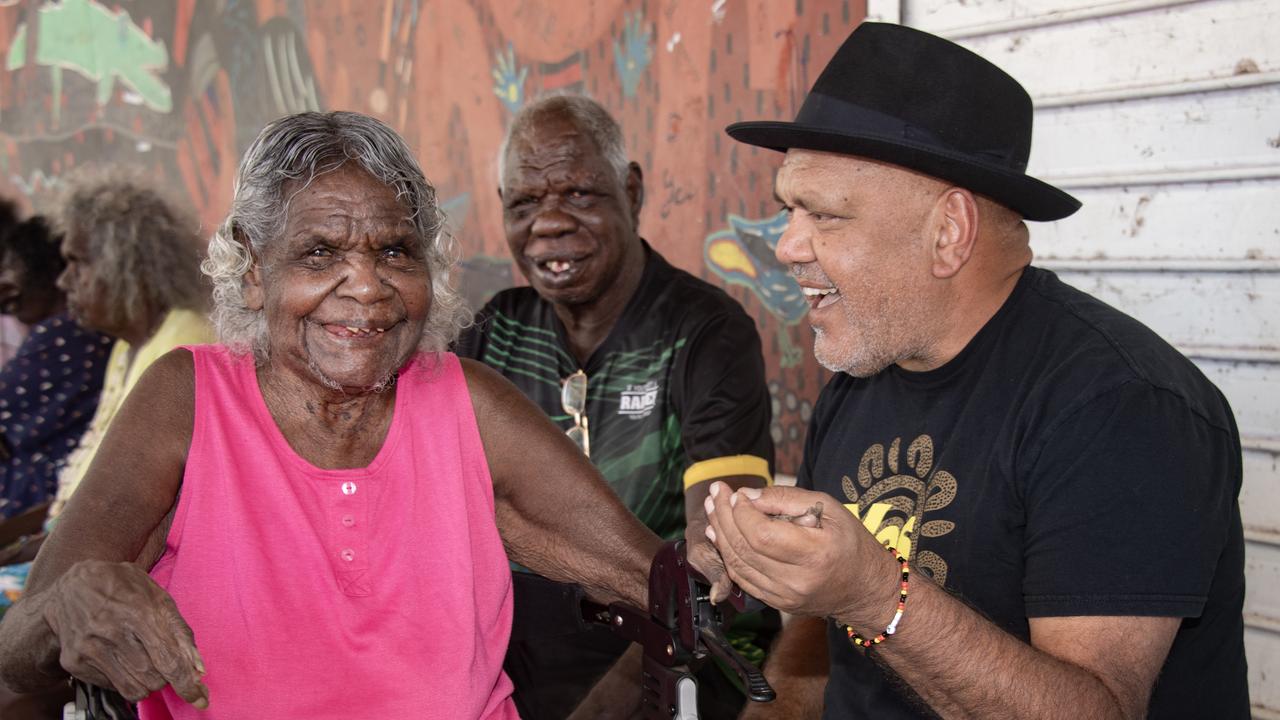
(118,629)
(705,558)
(702,553)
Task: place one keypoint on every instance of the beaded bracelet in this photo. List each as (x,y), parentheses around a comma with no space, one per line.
(902,603)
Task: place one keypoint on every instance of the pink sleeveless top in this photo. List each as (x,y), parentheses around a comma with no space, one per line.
(380,592)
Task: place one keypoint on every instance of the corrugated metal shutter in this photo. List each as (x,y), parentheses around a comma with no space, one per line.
(1163,116)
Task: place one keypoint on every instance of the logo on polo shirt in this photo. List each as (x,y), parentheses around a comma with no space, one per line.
(638,401)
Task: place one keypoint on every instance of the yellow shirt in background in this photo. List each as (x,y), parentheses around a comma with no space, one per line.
(180,327)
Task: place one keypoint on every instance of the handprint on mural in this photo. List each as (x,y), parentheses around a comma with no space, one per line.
(635,53)
(509,79)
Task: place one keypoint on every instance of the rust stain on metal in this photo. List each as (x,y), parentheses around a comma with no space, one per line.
(1265,530)
(1246,66)
(1138,218)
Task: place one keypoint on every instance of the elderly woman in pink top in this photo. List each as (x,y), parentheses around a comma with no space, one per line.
(319,504)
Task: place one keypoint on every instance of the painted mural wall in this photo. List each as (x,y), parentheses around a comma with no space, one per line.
(180,87)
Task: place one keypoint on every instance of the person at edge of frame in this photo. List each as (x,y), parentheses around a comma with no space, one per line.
(1062,481)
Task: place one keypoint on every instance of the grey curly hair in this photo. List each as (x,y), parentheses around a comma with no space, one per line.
(292,151)
(144,246)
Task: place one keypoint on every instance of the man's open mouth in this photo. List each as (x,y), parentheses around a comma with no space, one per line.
(821,297)
(558,268)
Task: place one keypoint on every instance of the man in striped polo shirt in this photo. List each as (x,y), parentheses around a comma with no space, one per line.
(675,394)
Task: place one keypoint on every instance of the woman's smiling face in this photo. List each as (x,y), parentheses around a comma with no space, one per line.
(346,287)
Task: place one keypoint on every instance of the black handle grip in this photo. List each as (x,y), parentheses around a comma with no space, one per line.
(758,689)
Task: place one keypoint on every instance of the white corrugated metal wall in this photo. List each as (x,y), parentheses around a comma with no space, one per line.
(1163,116)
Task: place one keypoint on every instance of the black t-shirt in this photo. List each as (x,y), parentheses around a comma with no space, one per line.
(1067,462)
(678,381)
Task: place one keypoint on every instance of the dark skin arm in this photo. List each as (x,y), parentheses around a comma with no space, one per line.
(556,514)
(616,696)
(90,609)
(797,669)
(1095,667)
(28,522)
(22,551)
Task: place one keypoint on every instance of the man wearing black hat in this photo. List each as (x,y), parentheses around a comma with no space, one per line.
(1063,482)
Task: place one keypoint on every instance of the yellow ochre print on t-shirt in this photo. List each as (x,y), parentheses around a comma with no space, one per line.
(893,505)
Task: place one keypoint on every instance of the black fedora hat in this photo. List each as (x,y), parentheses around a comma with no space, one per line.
(902,96)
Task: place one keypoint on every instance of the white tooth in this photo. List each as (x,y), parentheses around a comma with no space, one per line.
(816,292)
(381,330)
(351,329)
(558,266)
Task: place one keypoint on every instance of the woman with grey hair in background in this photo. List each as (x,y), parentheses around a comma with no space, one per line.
(132,272)
(321,502)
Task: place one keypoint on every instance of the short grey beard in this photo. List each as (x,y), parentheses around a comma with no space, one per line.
(850,362)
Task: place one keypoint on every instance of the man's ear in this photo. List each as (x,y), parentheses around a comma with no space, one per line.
(955,231)
(635,191)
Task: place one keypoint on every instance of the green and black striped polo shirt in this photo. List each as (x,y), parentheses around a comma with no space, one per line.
(676,393)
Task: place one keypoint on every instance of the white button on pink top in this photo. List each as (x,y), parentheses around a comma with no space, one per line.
(348,488)
(348,554)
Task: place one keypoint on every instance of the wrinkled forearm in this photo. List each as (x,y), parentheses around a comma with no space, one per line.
(616,696)
(962,665)
(621,575)
(29,648)
(608,553)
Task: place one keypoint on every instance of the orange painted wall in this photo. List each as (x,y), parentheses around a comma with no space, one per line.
(181,86)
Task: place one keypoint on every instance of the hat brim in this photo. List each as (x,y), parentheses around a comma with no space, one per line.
(1034,199)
